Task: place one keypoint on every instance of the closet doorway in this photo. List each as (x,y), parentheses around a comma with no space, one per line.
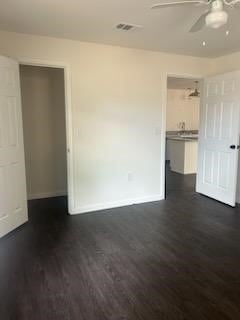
(45,134)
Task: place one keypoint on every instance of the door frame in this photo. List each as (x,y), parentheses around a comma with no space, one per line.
(68,117)
(167,75)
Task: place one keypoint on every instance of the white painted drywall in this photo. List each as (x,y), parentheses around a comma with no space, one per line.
(117,115)
(181,108)
(227,63)
(43,105)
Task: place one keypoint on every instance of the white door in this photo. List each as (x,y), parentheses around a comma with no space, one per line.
(219,138)
(13,200)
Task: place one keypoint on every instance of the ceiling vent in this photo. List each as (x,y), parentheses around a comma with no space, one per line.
(127,27)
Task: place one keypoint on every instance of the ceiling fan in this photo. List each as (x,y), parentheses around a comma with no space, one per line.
(214,17)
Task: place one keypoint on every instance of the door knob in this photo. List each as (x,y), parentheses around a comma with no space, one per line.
(233,146)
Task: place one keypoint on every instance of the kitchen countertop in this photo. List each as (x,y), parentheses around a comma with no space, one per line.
(177,138)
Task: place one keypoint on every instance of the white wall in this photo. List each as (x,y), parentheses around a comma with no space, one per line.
(181,108)
(117,115)
(43,105)
(227,63)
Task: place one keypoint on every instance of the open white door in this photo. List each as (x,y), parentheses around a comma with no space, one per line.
(219,137)
(13,200)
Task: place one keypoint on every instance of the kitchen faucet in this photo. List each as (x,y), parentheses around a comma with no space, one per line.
(182,127)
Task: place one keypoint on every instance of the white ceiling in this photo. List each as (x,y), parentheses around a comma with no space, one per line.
(94,20)
(181,84)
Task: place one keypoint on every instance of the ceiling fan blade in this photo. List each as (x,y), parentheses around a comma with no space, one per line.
(176,3)
(200,23)
(236,5)
(232,3)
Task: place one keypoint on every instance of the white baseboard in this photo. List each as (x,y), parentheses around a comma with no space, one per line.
(115,204)
(47,195)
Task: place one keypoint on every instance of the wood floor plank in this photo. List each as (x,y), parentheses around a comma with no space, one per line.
(177,259)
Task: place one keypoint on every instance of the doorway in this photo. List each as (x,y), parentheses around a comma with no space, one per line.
(44,129)
(182,131)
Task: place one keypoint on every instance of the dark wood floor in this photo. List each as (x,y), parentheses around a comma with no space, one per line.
(176,182)
(175,259)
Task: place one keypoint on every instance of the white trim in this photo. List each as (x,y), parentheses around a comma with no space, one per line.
(163,142)
(47,195)
(164,119)
(68,113)
(116,204)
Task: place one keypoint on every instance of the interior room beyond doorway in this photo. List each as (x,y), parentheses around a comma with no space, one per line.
(182,129)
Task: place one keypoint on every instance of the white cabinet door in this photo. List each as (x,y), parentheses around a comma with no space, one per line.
(13,200)
(219,138)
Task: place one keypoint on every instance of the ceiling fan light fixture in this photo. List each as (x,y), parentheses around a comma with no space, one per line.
(195,93)
(216,19)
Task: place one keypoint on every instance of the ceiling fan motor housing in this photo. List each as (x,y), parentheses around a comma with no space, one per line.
(217,17)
